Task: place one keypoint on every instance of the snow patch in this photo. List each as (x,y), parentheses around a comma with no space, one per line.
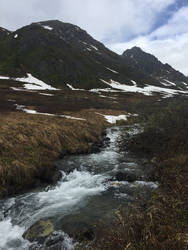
(92,90)
(115,72)
(147,90)
(114,118)
(134,83)
(102,90)
(91,47)
(4,77)
(171,83)
(95,48)
(72,88)
(46,94)
(34,83)
(34,112)
(16,36)
(47,27)
(184,83)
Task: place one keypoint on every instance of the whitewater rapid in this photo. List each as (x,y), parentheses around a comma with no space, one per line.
(90,182)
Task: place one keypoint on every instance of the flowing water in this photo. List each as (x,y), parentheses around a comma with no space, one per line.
(88,192)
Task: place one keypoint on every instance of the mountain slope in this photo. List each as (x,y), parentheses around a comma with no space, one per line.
(61,53)
(4,33)
(65,56)
(151,66)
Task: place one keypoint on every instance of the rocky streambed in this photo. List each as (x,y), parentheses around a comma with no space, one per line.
(91,189)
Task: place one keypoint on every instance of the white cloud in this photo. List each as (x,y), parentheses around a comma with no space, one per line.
(104,19)
(113,21)
(176,25)
(169,43)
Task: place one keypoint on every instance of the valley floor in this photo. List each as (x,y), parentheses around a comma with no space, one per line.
(74,122)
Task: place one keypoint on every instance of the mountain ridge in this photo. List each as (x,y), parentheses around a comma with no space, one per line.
(149,64)
(63,54)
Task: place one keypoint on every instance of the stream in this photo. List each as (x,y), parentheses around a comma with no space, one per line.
(92,187)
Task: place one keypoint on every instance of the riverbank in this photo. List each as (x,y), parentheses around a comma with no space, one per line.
(163,223)
(29,144)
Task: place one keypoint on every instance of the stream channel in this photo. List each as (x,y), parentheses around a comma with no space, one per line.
(92,187)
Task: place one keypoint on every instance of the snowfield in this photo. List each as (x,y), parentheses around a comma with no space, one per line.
(114,118)
(32,83)
(147,90)
(34,112)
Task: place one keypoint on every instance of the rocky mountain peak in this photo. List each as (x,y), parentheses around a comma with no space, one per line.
(150,64)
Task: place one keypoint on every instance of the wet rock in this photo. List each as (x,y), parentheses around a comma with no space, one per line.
(126,176)
(94,148)
(77,228)
(56,177)
(39,231)
(54,239)
(67,168)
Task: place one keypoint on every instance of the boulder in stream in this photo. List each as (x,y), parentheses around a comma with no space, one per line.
(39,231)
(126,176)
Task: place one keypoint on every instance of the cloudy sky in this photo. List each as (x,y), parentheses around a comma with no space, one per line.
(159,27)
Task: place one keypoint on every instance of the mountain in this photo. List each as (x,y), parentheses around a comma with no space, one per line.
(150,65)
(4,33)
(62,55)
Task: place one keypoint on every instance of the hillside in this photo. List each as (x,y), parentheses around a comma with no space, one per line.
(150,65)
(63,55)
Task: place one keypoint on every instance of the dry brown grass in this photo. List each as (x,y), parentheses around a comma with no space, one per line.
(29,144)
(164,224)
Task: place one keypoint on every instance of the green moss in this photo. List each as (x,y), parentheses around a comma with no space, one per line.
(40,229)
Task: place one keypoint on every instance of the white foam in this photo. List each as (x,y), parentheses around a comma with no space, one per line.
(76,186)
(11,236)
(150,184)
